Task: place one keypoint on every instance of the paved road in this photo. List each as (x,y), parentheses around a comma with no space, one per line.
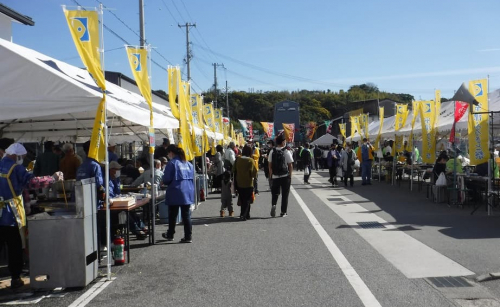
(319,255)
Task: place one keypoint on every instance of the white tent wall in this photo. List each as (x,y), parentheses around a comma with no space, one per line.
(324,140)
(44,98)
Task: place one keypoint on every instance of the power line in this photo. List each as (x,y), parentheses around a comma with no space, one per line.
(77,56)
(177,10)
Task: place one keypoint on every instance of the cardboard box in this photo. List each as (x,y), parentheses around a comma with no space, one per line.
(122,202)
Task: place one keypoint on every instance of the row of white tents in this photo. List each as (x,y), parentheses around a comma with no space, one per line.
(444,123)
(46,99)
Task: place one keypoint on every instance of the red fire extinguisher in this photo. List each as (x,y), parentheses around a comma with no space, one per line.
(119,249)
(202,194)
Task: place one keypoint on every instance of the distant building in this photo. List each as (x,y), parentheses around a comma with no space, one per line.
(130,84)
(7,17)
(287,112)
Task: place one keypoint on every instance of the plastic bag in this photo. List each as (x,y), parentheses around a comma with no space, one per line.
(441,181)
(306,171)
(339,171)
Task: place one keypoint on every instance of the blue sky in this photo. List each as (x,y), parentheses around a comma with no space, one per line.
(410,47)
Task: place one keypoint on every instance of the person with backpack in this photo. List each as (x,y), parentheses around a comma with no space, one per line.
(280,173)
(306,157)
(347,161)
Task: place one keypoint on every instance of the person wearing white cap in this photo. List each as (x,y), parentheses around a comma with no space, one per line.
(13,179)
(111,151)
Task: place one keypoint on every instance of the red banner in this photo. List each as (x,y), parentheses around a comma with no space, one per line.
(460,109)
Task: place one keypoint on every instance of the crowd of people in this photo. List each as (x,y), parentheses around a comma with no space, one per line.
(233,170)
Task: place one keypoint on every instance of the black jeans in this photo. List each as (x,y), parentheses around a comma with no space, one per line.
(333,174)
(306,177)
(348,175)
(317,162)
(282,184)
(245,197)
(10,235)
(173,211)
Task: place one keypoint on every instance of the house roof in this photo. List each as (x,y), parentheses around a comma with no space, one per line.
(16,15)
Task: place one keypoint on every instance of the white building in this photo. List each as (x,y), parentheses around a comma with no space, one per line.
(7,17)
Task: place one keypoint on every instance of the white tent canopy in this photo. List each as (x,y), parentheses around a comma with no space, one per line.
(43,98)
(324,140)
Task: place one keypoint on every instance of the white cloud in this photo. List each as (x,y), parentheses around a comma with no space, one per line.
(489,50)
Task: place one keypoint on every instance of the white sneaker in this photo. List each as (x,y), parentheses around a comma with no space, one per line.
(273,211)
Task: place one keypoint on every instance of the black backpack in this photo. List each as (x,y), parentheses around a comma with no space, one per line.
(305,155)
(278,164)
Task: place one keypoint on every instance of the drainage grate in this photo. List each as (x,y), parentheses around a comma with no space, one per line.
(335,199)
(449,282)
(369,225)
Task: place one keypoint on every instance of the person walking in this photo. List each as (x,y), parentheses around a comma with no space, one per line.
(333,159)
(366,162)
(306,157)
(280,174)
(179,178)
(219,167)
(226,196)
(245,171)
(347,161)
(317,157)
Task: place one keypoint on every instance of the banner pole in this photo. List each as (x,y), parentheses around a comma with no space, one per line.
(106,159)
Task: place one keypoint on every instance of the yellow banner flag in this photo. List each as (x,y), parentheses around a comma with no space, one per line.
(97,149)
(342,128)
(84,29)
(478,123)
(398,145)
(289,132)
(380,125)
(218,120)
(241,140)
(416,110)
(354,125)
(437,100)
(363,125)
(185,140)
(233,134)
(197,108)
(427,112)
(138,60)
(401,114)
(174,78)
(208,115)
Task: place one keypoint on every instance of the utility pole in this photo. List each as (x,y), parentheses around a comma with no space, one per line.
(141,23)
(188,52)
(215,81)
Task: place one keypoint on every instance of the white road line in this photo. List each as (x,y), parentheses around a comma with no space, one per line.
(85,298)
(410,256)
(350,273)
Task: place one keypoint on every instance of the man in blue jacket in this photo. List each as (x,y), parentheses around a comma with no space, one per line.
(366,162)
